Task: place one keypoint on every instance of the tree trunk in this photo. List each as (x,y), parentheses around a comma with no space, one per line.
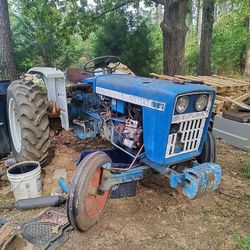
(215,13)
(159,14)
(174,31)
(199,21)
(204,66)
(247,67)
(7,65)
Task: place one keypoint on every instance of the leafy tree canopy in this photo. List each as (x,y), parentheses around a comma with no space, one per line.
(44,32)
(229,41)
(131,36)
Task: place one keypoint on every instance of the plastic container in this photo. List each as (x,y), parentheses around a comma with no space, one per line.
(124,190)
(25,179)
(119,160)
(3,86)
(4,134)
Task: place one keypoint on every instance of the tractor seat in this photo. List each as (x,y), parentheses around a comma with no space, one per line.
(76,75)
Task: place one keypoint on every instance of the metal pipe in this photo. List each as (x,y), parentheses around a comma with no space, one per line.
(39,202)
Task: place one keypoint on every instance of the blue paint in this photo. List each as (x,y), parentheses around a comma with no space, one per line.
(81,134)
(194,182)
(159,90)
(119,120)
(74,111)
(118,106)
(88,100)
(156,99)
(198,180)
(92,114)
(90,80)
(63,185)
(176,179)
(132,174)
(156,123)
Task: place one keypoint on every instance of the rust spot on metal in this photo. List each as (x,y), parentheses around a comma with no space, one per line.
(211,177)
(53,110)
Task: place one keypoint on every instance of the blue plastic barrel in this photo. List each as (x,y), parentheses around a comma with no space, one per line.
(4,134)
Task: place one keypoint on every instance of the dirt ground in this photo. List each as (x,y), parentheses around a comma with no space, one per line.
(158,217)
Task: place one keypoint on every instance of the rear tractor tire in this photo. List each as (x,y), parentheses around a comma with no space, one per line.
(85,204)
(28,122)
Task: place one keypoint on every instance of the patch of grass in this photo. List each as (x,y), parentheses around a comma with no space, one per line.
(243,243)
(246,169)
(162,243)
(227,206)
(247,199)
(206,212)
(216,237)
(247,101)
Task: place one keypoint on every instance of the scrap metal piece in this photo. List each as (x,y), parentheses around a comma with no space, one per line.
(2,221)
(232,132)
(16,241)
(38,233)
(47,231)
(86,128)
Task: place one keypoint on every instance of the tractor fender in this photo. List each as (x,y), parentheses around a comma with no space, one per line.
(55,83)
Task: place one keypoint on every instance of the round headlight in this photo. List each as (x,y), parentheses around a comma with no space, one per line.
(201,102)
(181,104)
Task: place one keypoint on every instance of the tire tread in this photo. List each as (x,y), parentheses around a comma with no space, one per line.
(34,121)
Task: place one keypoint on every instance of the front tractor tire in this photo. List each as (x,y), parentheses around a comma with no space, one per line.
(85,204)
(208,153)
(28,122)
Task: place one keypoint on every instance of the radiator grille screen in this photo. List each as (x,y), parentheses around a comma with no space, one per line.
(187,129)
(187,138)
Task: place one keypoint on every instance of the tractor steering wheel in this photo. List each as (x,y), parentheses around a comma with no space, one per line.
(102,63)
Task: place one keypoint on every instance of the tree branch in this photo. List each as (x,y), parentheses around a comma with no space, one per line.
(118,6)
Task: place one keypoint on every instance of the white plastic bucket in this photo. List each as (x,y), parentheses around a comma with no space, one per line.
(25,179)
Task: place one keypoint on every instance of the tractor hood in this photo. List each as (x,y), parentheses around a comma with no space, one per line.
(158,90)
(157,99)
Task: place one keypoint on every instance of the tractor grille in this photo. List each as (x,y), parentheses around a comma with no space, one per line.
(187,129)
(185,136)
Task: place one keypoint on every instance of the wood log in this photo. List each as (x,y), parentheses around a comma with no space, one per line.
(5,232)
(239,104)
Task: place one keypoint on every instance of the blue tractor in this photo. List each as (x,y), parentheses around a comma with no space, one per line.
(161,126)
